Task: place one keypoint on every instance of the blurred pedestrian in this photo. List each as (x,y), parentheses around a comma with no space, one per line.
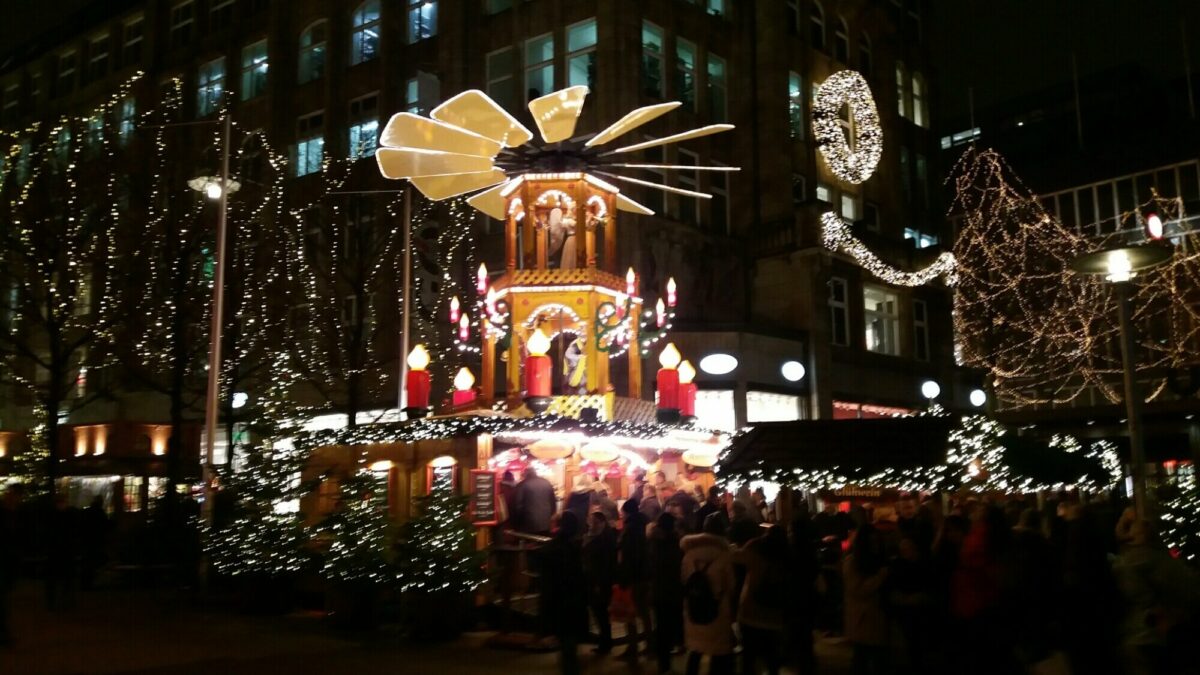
(535,503)
(95,541)
(579,501)
(607,506)
(866,623)
(742,527)
(711,505)
(910,597)
(666,559)
(800,615)
(633,574)
(764,598)
(567,594)
(599,566)
(650,505)
(708,586)
(62,554)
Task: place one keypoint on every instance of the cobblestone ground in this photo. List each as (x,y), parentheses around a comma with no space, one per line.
(153,632)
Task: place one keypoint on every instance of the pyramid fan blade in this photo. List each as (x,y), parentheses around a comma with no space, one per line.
(676,167)
(491,202)
(475,111)
(556,114)
(411,162)
(660,186)
(444,187)
(626,204)
(406,130)
(694,133)
(632,120)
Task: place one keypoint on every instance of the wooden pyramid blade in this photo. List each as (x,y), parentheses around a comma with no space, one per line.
(474,111)
(632,120)
(491,202)
(666,140)
(412,162)
(626,204)
(444,187)
(676,167)
(406,130)
(556,114)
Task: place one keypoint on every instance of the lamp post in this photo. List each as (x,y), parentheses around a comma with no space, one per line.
(1119,266)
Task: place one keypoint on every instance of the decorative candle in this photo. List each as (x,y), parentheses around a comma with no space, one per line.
(687,389)
(660,312)
(630,282)
(464,328)
(454,309)
(464,387)
(671,292)
(417,384)
(481,283)
(537,365)
(668,378)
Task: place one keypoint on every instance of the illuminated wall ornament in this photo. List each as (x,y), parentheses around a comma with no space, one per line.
(851,164)
(838,238)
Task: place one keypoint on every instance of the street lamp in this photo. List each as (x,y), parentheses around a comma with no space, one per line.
(930,390)
(211,186)
(978,397)
(1120,265)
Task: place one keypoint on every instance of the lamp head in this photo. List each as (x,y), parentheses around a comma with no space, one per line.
(213,190)
(930,389)
(418,358)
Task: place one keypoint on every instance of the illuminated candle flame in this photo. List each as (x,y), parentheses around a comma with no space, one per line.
(481,283)
(454,309)
(671,292)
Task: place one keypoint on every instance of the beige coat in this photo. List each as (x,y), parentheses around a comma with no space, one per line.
(866,622)
(700,550)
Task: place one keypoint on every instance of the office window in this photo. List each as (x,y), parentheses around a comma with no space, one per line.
(864,56)
(841,41)
(882,321)
(920,330)
(183,19)
(764,406)
(652,60)
(220,15)
(816,26)
(254,70)
(870,216)
(412,96)
(715,409)
(799,191)
(62,144)
(67,64)
(126,120)
(422,20)
(839,314)
(364,38)
(581,54)
(795,106)
(364,126)
(309,149)
(94,138)
(824,193)
(98,58)
(131,50)
(12,104)
(920,101)
(132,493)
(689,207)
(22,168)
(792,17)
(718,187)
(902,89)
(501,84)
(685,73)
(312,52)
(210,85)
(849,207)
(718,89)
(539,66)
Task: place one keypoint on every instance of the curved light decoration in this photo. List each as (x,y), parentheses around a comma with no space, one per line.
(851,164)
(469,144)
(719,363)
(792,371)
(838,238)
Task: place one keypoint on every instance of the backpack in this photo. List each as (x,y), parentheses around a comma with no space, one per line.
(702,603)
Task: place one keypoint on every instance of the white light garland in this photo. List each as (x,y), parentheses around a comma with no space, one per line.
(852,164)
(837,237)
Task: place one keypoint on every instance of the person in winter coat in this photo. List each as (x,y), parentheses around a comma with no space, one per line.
(866,624)
(709,554)
(764,597)
(579,501)
(633,573)
(651,505)
(607,506)
(566,592)
(535,503)
(666,559)
(599,569)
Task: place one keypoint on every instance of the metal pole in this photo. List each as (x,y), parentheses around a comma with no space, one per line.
(218,319)
(406,298)
(1133,399)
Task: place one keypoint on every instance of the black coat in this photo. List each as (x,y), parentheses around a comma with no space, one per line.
(566,593)
(600,559)
(631,567)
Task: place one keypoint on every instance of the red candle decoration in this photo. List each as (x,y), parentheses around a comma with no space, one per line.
(464,328)
(668,378)
(537,365)
(660,313)
(464,387)
(630,282)
(481,281)
(687,389)
(671,296)
(454,309)
(417,384)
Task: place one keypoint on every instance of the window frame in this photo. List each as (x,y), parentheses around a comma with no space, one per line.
(586,51)
(717,87)
(360,28)
(547,63)
(249,70)
(685,71)
(902,90)
(890,342)
(210,91)
(305,70)
(180,32)
(921,330)
(510,77)
(688,182)
(95,72)
(836,308)
(841,41)
(920,100)
(659,58)
(866,56)
(358,121)
(721,192)
(61,74)
(308,134)
(220,14)
(816,26)
(796,121)
(423,32)
(131,42)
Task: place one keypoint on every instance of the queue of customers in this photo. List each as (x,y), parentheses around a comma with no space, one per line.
(913,587)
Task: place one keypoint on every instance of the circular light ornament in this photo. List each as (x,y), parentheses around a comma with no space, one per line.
(978,397)
(718,364)
(1154,226)
(701,458)
(851,164)
(930,389)
(599,452)
(793,371)
(550,448)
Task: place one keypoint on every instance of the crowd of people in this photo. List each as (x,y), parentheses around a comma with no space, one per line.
(918,584)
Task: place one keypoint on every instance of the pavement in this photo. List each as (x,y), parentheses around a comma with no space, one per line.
(151,632)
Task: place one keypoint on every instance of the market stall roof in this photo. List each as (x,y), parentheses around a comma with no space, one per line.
(868,445)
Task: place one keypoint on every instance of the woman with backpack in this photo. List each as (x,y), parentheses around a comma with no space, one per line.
(765,595)
(707,575)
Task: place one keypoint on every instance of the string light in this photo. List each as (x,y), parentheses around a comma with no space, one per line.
(852,163)
(837,237)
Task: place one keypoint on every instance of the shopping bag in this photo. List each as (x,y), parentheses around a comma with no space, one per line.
(621,608)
